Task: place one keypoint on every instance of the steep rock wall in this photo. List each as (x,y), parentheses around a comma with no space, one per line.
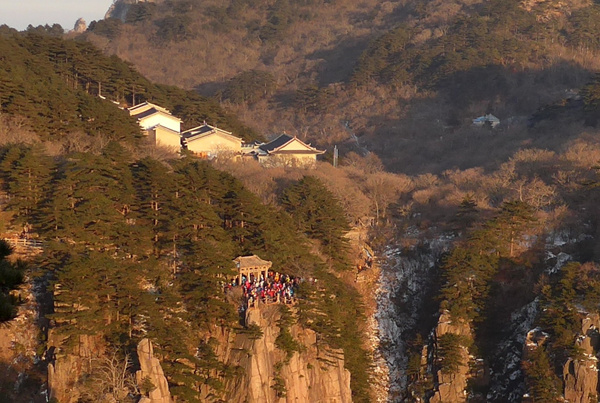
(151,370)
(404,279)
(580,375)
(316,374)
(120,8)
(65,370)
(451,387)
(21,371)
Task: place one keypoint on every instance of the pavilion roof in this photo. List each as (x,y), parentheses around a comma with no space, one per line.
(250,261)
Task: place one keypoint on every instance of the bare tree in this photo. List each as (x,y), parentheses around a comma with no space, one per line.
(111,379)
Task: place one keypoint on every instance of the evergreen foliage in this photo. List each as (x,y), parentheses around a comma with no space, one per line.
(450,347)
(173,28)
(109,27)
(249,87)
(140,12)
(139,248)
(591,96)
(469,268)
(565,300)
(27,173)
(466,216)
(142,248)
(319,215)
(11,275)
(313,99)
(498,33)
(285,341)
(54,83)
(544,385)
(279,19)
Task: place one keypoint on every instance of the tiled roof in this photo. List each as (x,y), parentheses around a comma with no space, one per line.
(296,152)
(205,130)
(198,130)
(251,261)
(153,111)
(163,127)
(132,110)
(277,143)
(283,140)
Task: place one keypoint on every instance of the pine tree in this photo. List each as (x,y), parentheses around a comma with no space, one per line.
(11,275)
(29,181)
(544,385)
(318,214)
(512,220)
(155,201)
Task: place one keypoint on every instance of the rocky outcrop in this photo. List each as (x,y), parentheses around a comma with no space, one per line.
(316,374)
(151,372)
(404,283)
(120,8)
(80,26)
(19,342)
(452,386)
(580,375)
(65,370)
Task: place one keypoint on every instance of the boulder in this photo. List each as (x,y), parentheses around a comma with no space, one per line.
(150,369)
(80,26)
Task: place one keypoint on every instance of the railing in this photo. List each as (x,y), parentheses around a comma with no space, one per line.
(24,242)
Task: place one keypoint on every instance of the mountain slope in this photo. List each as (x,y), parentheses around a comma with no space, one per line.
(63,86)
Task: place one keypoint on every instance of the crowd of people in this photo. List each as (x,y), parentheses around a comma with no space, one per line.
(275,288)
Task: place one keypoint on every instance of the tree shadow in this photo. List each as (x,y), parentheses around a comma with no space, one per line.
(210,89)
(19,384)
(335,67)
(437,133)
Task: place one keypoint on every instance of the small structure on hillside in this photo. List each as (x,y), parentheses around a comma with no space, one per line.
(158,124)
(286,150)
(488,119)
(208,141)
(251,265)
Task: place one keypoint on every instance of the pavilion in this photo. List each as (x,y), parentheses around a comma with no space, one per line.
(254,265)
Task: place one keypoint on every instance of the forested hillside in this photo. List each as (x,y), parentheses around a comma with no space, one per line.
(407,78)
(136,247)
(476,304)
(66,86)
(484,238)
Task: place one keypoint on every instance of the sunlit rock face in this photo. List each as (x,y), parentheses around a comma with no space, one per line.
(80,26)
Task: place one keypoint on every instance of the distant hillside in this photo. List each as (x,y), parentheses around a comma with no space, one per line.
(405,77)
(65,86)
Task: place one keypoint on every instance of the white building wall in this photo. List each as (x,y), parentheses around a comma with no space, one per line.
(158,119)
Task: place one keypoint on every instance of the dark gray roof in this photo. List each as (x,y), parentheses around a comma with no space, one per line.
(275,145)
(151,112)
(148,112)
(197,131)
(278,142)
(206,130)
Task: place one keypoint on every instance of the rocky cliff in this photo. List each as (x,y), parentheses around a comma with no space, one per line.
(451,385)
(580,374)
(120,8)
(22,374)
(267,374)
(402,291)
(152,373)
(65,370)
(315,374)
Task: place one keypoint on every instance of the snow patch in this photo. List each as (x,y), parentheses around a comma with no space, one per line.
(404,277)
